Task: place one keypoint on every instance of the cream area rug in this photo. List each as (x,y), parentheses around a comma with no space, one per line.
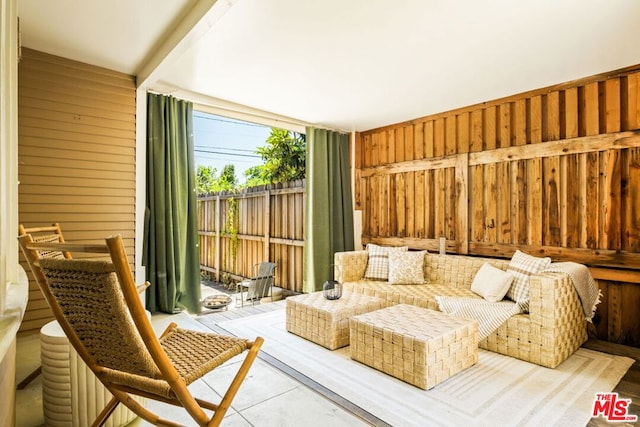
(497,391)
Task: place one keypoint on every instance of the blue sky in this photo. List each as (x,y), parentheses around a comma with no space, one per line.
(220,141)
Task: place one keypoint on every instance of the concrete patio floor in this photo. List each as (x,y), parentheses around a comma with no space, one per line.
(268,397)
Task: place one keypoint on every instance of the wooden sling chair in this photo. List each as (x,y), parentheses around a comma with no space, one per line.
(48,234)
(98,307)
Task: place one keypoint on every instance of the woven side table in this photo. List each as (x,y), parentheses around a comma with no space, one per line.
(71,394)
(326,322)
(419,346)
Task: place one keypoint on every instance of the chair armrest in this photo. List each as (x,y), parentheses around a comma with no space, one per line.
(350,265)
(554,302)
(141,288)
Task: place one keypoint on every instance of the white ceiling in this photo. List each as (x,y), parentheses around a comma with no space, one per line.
(348,65)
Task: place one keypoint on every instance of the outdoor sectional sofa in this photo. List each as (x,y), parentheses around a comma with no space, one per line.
(552,330)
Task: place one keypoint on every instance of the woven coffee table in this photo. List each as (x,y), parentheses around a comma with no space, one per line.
(326,322)
(419,346)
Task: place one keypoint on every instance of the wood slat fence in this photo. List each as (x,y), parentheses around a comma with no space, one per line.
(553,172)
(239,230)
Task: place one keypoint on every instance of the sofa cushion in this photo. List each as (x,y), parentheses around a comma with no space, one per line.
(378,262)
(491,283)
(522,266)
(406,268)
(421,295)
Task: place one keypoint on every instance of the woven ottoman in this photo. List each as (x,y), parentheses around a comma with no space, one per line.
(326,322)
(416,345)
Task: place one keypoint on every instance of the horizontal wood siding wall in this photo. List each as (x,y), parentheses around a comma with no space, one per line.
(553,172)
(240,230)
(76,155)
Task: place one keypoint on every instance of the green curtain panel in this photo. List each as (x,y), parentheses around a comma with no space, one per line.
(171,254)
(329,209)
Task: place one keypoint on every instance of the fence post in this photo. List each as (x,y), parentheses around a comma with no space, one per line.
(218,249)
(267,223)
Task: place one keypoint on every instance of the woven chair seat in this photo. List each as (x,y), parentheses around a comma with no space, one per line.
(192,353)
(97,304)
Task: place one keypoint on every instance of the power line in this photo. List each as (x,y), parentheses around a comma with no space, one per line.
(215,119)
(223,148)
(227,154)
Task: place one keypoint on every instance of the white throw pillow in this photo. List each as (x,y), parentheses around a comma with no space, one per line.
(522,266)
(378,262)
(491,283)
(406,268)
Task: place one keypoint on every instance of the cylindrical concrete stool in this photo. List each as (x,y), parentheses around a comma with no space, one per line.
(71,394)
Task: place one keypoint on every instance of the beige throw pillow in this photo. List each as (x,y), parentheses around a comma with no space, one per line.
(522,266)
(491,283)
(406,268)
(378,262)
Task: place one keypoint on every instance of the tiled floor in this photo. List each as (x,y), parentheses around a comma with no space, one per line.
(268,396)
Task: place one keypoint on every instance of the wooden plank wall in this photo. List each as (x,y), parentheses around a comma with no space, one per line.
(553,172)
(269,224)
(76,152)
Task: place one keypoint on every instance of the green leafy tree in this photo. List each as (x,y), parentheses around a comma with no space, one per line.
(205,179)
(253,176)
(227,180)
(284,156)
(208,182)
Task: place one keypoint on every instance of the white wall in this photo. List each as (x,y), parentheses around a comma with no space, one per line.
(8,203)
(8,146)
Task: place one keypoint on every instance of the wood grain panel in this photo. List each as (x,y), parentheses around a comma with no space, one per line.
(535,119)
(631,198)
(573,202)
(410,205)
(399,145)
(610,196)
(477,203)
(491,201)
(490,134)
(610,96)
(551,117)
(440,193)
(519,122)
(420,204)
(409,143)
(476,131)
(383,157)
(450,145)
(631,102)
(439,144)
(503,202)
(375,149)
(504,125)
(571,113)
(535,193)
(590,110)
(401,219)
(554,171)
(450,204)
(463,133)
(385,197)
(428,139)
(366,145)
(519,222)
(429,215)
(551,208)
(418,137)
